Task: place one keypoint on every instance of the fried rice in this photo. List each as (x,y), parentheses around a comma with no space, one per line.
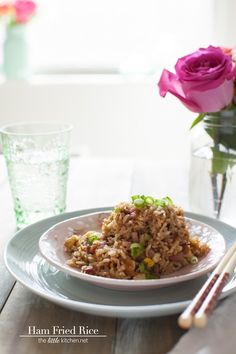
(137,241)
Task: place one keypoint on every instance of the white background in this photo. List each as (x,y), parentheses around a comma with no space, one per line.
(120,114)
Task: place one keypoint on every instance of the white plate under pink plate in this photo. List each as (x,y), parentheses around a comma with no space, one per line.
(51,245)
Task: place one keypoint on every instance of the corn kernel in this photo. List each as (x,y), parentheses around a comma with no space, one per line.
(149,262)
(70,242)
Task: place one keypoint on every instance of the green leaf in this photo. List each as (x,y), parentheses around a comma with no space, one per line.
(222,128)
(198,120)
(221,161)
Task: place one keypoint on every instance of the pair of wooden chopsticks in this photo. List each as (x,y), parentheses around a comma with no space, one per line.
(205,300)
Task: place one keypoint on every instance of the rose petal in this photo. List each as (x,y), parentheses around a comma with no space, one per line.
(169,83)
(213,100)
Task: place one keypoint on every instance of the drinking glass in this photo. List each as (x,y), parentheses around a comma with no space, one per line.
(37,159)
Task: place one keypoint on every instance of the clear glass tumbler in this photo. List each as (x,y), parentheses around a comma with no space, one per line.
(37,158)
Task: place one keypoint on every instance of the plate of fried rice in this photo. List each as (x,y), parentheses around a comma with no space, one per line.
(142,244)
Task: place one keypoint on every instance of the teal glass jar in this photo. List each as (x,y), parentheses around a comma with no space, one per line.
(15,52)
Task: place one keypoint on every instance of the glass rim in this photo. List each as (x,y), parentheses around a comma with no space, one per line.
(209,124)
(60,127)
(212,121)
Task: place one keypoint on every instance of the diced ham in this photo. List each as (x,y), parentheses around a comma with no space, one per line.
(177,257)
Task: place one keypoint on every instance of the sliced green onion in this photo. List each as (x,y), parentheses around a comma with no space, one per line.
(142,267)
(139,203)
(159,202)
(146,237)
(143,270)
(194,260)
(135,197)
(167,201)
(117,210)
(148,275)
(164,202)
(93,236)
(136,249)
(149,200)
(170,201)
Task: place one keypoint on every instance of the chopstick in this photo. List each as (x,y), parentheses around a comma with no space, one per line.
(200,318)
(209,292)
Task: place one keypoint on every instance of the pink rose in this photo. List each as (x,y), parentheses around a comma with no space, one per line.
(24,9)
(204,80)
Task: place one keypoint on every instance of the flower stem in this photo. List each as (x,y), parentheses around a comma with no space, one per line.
(222,192)
(215,193)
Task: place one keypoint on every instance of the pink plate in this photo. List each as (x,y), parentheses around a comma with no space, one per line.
(51,245)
